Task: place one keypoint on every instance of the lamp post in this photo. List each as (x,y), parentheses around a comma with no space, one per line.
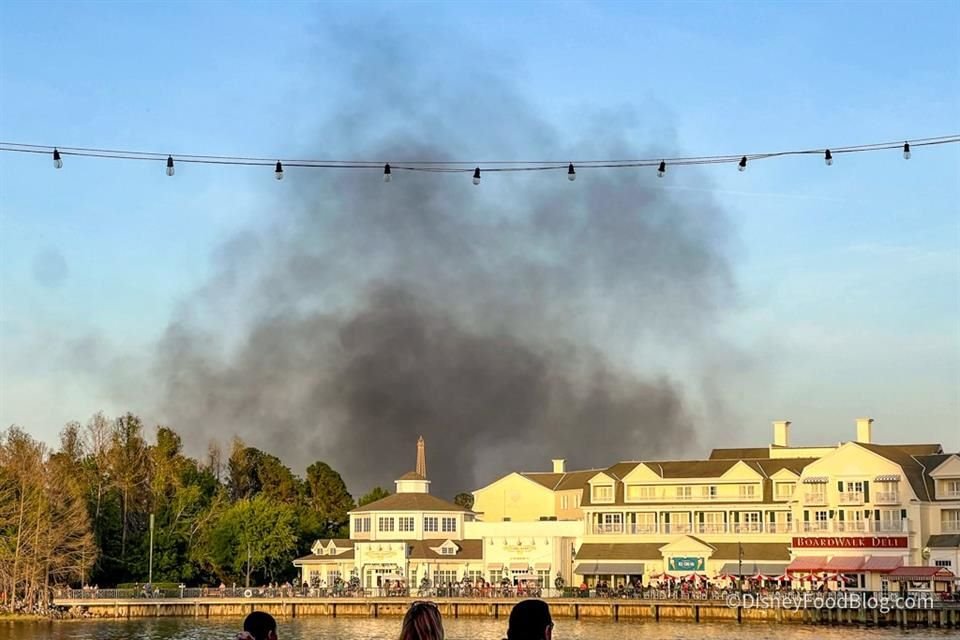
(740,565)
(150,573)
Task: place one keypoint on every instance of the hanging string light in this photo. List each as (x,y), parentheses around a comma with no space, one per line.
(452,166)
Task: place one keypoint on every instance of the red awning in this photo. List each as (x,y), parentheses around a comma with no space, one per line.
(807,564)
(882,564)
(845,564)
(921,573)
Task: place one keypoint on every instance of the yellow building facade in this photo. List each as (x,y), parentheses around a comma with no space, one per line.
(854,511)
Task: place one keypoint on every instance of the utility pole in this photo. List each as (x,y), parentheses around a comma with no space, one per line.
(150,577)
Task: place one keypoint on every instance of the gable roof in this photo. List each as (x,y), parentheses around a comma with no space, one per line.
(745,453)
(570,480)
(916,460)
(410,502)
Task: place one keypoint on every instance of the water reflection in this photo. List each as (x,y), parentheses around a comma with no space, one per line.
(464,629)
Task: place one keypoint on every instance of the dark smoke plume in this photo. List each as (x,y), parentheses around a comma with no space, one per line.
(524,319)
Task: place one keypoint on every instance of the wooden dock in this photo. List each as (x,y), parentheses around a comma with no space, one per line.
(943,616)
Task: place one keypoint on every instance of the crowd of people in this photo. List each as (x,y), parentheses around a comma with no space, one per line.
(529,620)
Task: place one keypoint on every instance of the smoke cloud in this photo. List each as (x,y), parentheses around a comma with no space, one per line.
(510,323)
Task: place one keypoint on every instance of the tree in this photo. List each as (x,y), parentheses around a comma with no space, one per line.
(327,495)
(253,536)
(465,500)
(377,493)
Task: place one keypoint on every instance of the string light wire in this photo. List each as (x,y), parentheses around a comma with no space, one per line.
(466,166)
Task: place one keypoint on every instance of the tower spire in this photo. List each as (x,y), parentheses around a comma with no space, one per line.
(421,458)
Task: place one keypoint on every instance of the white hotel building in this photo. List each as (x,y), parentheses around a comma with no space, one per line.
(876,513)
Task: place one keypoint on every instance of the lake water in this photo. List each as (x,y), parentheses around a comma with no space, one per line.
(463,629)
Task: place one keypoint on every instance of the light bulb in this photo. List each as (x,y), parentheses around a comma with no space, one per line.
(57,162)
(571,174)
(476,176)
(169,165)
(743,164)
(906,150)
(386,172)
(828,157)
(278,172)
(662,169)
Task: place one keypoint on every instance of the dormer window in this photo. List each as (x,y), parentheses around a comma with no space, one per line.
(448,551)
(603,493)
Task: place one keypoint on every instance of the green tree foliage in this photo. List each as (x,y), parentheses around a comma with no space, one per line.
(377,493)
(327,496)
(253,538)
(81,513)
(465,500)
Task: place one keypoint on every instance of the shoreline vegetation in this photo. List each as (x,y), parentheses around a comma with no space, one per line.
(85,513)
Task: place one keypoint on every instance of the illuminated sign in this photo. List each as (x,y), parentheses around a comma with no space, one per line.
(685,564)
(851,542)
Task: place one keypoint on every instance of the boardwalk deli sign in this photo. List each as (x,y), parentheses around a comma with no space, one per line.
(851,542)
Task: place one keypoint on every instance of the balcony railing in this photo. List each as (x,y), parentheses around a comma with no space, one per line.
(608,528)
(950,526)
(886,497)
(815,498)
(851,497)
(900,525)
(949,493)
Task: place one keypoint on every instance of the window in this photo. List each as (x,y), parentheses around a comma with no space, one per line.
(431,523)
(576,500)
(385,524)
(603,493)
(475,575)
(496,575)
(406,523)
(543,576)
(684,493)
(564,502)
(855,487)
(361,525)
(750,521)
(943,563)
(448,551)
(951,488)
(950,521)
(785,490)
(332,576)
(449,524)
(444,576)
(748,491)
(709,492)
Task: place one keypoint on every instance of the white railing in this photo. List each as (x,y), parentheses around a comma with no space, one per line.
(677,527)
(900,525)
(608,528)
(815,498)
(641,528)
(949,493)
(851,497)
(950,526)
(886,497)
(711,527)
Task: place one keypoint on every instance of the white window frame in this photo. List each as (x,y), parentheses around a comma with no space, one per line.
(448,524)
(431,524)
(595,496)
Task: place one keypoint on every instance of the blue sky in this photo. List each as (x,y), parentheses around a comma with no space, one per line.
(849,276)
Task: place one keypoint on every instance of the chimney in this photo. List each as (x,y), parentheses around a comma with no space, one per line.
(781,433)
(559,465)
(865,430)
